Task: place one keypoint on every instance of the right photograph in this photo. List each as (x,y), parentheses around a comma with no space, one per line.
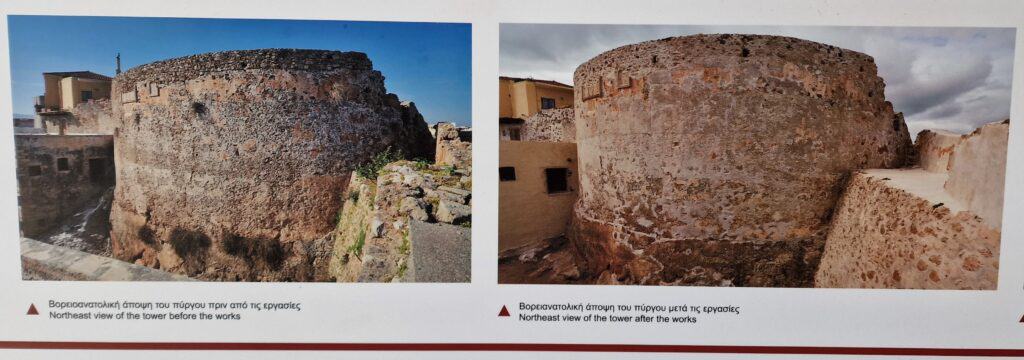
(753,156)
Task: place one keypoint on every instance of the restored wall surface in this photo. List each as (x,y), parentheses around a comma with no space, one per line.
(977,171)
(901,229)
(528,213)
(554,125)
(93,117)
(232,165)
(933,148)
(717,159)
(48,195)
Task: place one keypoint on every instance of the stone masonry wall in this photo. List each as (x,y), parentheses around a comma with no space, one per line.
(232,165)
(48,191)
(899,229)
(717,159)
(553,125)
(92,117)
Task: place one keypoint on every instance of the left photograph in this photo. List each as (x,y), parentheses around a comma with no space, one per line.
(173,149)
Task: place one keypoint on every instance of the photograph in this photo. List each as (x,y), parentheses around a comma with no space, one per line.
(195,149)
(753,156)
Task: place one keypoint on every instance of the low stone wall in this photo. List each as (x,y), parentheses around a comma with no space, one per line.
(901,229)
(42,261)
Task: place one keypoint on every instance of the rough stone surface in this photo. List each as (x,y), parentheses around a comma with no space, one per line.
(41,261)
(717,159)
(373,240)
(452,212)
(452,148)
(901,229)
(49,194)
(91,117)
(238,160)
(440,253)
(555,125)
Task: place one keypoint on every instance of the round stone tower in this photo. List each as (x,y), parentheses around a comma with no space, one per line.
(717,159)
(232,165)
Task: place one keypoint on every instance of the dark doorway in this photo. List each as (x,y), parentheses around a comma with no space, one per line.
(97,170)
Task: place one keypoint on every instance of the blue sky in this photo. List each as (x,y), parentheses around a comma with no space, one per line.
(427,63)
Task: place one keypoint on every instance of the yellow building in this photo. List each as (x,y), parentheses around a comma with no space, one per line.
(521,98)
(536,192)
(64,90)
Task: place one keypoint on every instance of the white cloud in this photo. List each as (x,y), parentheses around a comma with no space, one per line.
(954,79)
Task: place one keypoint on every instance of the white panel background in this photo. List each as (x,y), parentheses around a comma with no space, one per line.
(467,312)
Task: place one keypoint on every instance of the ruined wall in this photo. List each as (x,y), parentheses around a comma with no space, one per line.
(900,229)
(374,242)
(92,117)
(528,213)
(58,175)
(232,165)
(717,159)
(555,125)
(451,148)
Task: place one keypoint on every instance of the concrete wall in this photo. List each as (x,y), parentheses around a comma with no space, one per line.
(717,159)
(528,213)
(48,195)
(233,165)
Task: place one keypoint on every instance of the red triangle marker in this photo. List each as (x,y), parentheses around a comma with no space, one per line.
(1022,319)
(32,310)
(504,312)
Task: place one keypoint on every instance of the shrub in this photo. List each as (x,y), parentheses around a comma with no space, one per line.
(371,169)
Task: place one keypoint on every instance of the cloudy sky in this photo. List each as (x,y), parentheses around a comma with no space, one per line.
(946,78)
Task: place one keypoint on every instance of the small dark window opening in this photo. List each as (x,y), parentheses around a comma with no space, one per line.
(86,95)
(35,170)
(97,169)
(547,103)
(557,179)
(514,134)
(63,165)
(507,173)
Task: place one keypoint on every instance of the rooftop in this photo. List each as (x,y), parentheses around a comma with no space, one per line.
(548,82)
(79,74)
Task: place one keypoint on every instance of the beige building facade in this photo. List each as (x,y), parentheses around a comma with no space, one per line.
(521,98)
(64,90)
(537,190)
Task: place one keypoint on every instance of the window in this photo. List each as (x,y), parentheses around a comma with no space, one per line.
(547,103)
(507,173)
(62,164)
(513,134)
(35,170)
(86,95)
(557,179)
